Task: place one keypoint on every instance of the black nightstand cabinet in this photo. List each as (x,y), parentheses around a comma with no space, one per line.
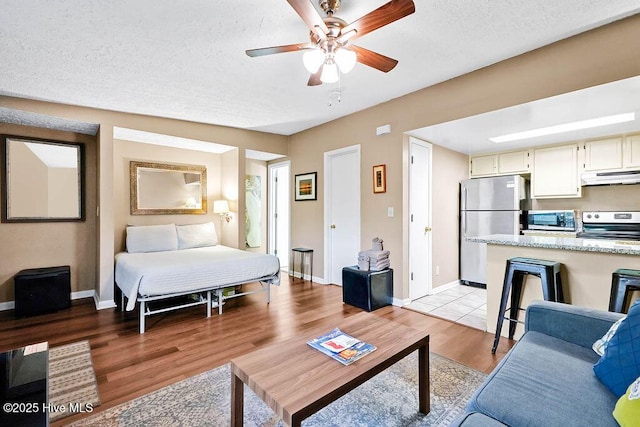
(368,290)
(42,290)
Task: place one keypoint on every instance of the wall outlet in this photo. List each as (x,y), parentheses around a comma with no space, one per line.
(437,270)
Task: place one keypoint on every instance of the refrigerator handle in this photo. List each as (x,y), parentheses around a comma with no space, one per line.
(464,224)
(465,193)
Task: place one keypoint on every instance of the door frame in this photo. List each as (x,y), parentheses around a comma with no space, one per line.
(429,261)
(327,204)
(271,207)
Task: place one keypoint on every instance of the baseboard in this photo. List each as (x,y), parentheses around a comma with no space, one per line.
(444,287)
(400,302)
(101,305)
(10,305)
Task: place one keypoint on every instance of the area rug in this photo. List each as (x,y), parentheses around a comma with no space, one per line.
(72,381)
(388,399)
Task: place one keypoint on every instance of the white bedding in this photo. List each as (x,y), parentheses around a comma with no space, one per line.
(168,272)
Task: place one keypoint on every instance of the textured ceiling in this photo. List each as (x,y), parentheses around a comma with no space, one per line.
(186,59)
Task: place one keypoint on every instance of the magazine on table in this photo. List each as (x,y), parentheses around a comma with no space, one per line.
(341,347)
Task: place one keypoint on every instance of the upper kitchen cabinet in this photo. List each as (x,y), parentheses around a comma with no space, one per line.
(484,165)
(555,172)
(513,162)
(631,158)
(603,154)
(509,163)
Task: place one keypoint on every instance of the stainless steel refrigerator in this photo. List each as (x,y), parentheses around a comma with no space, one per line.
(492,205)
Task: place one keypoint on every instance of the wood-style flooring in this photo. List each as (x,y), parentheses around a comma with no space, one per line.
(184,343)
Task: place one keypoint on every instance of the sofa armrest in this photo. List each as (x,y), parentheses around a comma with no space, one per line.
(578,325)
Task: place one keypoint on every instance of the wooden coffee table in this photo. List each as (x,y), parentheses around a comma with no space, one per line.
(296,380)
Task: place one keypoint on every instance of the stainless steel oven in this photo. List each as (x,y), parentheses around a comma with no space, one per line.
(552,220)
(611,225)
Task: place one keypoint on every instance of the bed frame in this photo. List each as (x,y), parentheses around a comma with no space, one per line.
(210,297)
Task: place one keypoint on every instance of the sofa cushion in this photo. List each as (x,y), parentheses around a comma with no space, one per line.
(620,365)
(545,381)
(627,411)
(475,419)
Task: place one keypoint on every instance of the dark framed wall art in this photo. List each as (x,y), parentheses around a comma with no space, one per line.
(306,186)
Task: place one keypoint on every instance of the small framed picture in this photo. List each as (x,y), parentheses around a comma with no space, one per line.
(379,179)
(306,186)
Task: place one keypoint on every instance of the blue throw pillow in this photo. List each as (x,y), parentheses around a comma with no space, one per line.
(620,365)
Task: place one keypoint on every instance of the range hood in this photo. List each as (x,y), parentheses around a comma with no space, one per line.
(611,178)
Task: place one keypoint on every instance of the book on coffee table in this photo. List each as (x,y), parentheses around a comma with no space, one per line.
(341,347)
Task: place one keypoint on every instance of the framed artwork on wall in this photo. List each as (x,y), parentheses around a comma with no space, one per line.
(379,179)
(305,186)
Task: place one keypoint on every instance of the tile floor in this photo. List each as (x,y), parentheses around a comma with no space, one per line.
(462,304)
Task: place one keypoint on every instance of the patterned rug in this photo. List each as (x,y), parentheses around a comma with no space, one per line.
(388,399)
(72,381)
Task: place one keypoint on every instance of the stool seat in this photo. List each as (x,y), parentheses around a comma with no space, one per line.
(623,282)
(516,269)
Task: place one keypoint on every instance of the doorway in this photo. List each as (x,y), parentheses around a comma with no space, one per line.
(342,211)
(420,241)
(279,212)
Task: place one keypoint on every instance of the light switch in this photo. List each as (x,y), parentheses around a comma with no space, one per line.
(390,211)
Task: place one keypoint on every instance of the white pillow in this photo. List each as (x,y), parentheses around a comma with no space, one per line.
(196,235)
(600,346)
(152,238)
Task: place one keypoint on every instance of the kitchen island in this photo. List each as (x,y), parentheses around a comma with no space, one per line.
(587,265)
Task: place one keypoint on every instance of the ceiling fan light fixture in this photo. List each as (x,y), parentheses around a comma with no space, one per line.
(313,59)
(329,72)
(346,59)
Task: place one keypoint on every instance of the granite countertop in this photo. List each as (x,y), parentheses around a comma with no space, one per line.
(624,247)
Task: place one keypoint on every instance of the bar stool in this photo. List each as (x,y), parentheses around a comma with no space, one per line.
(304,253)
(516,269)
(623,282)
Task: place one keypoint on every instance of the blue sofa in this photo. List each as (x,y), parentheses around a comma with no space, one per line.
(547,378)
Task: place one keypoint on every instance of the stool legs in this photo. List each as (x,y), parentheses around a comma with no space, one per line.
(506,287)
(515,271)
(516,296)
(618,296)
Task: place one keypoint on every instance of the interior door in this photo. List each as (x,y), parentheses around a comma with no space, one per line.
(342,211)
(420,242)
(279,212)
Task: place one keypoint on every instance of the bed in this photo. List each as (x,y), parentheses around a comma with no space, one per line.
(165,262)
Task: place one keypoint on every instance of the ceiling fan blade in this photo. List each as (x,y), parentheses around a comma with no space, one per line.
(310,16)
(314,80)
(279,49)
(373,59)
(385,14)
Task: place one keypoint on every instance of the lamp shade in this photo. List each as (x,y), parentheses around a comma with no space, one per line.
(220,206)
(313,59)
(346,59)
(329,73)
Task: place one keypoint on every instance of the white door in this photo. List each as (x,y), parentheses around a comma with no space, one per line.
(279,212)
(419,219)
(342,211)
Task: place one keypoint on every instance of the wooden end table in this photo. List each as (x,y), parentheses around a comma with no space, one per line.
(296,380)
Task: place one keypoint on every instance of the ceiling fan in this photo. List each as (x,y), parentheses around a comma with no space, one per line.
(330,50)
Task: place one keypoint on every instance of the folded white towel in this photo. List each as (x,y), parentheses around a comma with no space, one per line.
(363,264)
(375,255)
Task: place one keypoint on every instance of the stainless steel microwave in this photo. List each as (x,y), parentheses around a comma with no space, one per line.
(551,220)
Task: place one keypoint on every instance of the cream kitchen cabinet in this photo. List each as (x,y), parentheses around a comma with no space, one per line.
(484,165)
(513,162)
(499,164)
(603,154)
(631,147)
(555,172)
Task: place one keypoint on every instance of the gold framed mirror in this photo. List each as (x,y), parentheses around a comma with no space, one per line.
(167,189)
(43,180)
